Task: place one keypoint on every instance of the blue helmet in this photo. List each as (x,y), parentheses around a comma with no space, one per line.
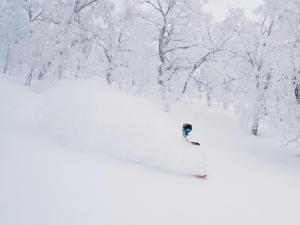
(186,128)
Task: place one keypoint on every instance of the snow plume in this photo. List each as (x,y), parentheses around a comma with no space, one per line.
(92,117)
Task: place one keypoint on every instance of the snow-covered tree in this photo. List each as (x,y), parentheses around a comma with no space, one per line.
(252,50)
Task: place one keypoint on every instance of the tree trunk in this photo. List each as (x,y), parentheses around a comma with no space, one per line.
(188,80)
(297,93)
(208,97)
(162,85)
(29,77)
(6,60)
(163,96)
(109,69)
(254,129)
(108,76)
(77,70)
(60,71)
(42,72)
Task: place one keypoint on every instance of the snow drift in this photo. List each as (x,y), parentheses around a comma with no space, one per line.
(251,180)
(92,117)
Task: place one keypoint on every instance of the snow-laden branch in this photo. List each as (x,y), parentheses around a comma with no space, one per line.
(78,7)
(179,48)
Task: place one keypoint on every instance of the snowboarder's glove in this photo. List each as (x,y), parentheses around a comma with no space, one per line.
(195,143)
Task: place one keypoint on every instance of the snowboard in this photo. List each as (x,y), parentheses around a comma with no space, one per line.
(201,176)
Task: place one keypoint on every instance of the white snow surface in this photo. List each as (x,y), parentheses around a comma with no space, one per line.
(85,153)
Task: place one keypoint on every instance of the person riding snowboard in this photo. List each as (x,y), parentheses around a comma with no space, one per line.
(186,129)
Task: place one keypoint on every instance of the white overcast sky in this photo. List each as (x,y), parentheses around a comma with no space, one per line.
(219,8)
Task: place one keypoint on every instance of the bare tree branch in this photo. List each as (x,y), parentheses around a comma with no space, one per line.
(170,6)
(38,17)
(196,66)
(30,13)
(180,47)
(154,6)
(78,8)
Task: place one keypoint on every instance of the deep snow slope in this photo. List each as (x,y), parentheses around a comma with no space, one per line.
(83,153)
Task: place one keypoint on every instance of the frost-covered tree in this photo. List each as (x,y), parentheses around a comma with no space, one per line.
(171,32)
(284,106)
(164,48)
(252,50)
(204,62)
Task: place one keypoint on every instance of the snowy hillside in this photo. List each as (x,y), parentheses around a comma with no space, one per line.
(85,153)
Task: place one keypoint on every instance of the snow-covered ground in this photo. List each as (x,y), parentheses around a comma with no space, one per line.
(84,153)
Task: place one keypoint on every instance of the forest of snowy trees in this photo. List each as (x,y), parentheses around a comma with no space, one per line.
(170,49)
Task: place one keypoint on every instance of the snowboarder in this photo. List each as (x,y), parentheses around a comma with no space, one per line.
(186,129)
